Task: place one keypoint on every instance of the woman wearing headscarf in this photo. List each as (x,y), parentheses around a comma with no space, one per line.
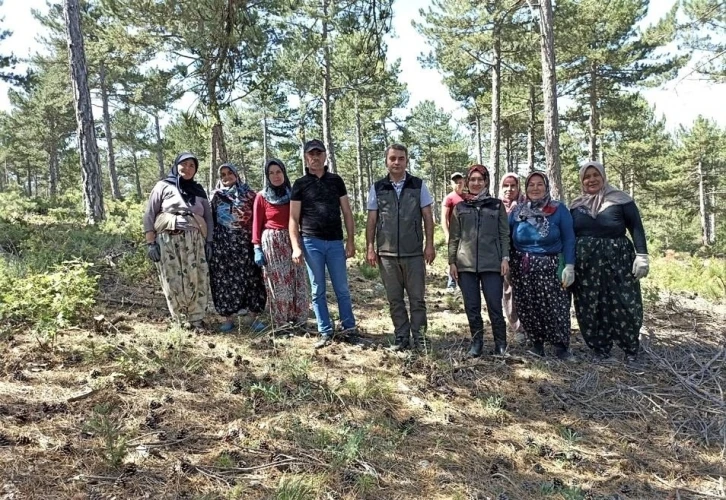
(479,257)
(511,196)
(237,284)
(608,304)
(543,239)
(178,226)
(286,282)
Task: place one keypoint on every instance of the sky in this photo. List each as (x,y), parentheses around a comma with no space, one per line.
(681,100)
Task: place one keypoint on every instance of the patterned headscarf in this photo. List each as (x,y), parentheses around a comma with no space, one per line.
(235,191)
(535,212)
(276,195)
(510,204)
(484,193)
(188,189)
(606,197)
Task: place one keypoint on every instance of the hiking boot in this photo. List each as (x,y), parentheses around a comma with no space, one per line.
(563,353)
(477,345)
(537,349)
(400,344)
(603,358)
(323,341)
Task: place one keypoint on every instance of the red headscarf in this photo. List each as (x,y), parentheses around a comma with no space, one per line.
(484,192)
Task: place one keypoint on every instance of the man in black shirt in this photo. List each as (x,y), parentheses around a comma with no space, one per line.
(315,205)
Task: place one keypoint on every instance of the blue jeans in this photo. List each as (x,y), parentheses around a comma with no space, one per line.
(319,254)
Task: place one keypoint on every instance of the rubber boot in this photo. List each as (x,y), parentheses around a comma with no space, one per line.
(400,344)
(500,341)
(477,345)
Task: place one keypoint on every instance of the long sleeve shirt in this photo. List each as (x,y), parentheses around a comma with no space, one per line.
(560,236)
(166,198)
(268,216)
(612,223)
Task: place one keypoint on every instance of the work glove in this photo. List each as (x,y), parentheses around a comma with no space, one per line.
(641,266)
(260,257)
(568,275)
(153,252)
(208,250)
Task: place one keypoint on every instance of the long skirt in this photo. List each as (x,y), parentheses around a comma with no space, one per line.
(541,302)
(184,275)
(236,280)
(286,283)
(608,303)
(508,305)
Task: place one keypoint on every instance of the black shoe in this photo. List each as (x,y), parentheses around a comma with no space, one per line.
(324,341)
(537,349)
(419,343)
(500,349)
(477,345)
(633,364)
(563,353)
(603,358)
(400,344)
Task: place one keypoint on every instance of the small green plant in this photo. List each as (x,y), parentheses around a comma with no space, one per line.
(547,489)
(271,393)
(225,461)
(294,488)
(495,402)
(107,424)
(570,435)
(573,493)
(367,394)
(368,272)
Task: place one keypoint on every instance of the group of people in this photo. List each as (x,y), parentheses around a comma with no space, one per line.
(527,253)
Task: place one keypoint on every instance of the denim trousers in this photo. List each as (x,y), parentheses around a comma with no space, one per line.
(320,254)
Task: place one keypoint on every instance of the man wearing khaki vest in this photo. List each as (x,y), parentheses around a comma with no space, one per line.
(395,242)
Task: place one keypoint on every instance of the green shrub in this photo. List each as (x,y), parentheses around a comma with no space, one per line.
(47,301)
(703,277)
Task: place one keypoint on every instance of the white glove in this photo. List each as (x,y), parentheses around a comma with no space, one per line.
(641,266)
(568,275)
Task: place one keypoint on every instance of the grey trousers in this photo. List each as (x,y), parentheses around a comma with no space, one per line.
(409,274)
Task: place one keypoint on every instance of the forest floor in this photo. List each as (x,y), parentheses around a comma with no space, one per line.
(129,407)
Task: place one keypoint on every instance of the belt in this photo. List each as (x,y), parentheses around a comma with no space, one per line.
(174,232)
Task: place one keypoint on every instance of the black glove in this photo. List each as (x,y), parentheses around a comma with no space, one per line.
(208,250)
(153,252)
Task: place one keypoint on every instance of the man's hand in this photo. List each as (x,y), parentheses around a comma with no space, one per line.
(372,257)
(297,256)
(429,253)
(505,267)
(454,272)
(349,248)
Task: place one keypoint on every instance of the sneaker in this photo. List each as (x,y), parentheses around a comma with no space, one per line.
(537,349)
(257,326)
(323,341)
(227,326)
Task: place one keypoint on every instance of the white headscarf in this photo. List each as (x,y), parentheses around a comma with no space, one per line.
(606,197)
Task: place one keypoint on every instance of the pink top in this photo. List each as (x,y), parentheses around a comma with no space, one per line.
(268,216)
(452,199)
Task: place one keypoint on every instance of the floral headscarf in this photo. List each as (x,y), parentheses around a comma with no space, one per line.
(235,209)
(510,204)
(608,196)
(535,212)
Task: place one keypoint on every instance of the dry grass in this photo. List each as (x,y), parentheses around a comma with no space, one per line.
(132,409)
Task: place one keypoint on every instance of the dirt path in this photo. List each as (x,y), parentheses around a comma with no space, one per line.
(129,408)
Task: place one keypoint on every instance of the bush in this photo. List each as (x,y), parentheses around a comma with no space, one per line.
(47,301)
(703,277)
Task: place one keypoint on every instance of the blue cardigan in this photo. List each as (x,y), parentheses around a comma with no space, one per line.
(561,237)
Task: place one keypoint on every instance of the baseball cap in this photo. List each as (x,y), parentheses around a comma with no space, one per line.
(314,144)
(456,176)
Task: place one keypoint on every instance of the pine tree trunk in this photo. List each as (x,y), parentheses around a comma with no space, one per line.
(159,146)
(705,227)
(327,99)
(712,218)
(111,157)
(30,180)
(219,148)
(496,108)
(594,122)
(359,158)
(301,133)
(532,123)
(90,167)
(53,170)
(479,145)
(137,176)
(549,88)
